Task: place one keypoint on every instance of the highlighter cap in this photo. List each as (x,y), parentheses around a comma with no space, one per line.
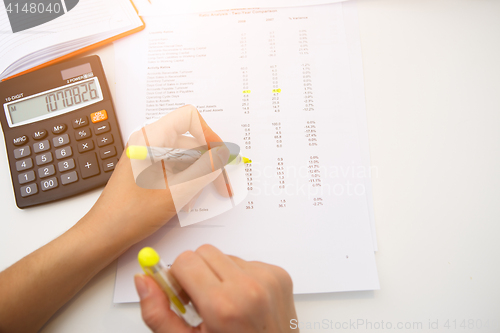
(137,152)
(148,257)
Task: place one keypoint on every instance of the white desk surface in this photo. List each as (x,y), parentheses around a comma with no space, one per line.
(432,83)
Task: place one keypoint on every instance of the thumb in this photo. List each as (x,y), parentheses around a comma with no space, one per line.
(155,307)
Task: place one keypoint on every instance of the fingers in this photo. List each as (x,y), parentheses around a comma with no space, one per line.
(222,183)
(155,308)
(167,130)
(186,184)
(210,162)
(233,295)
(270,274)
(195,277)
(221,264)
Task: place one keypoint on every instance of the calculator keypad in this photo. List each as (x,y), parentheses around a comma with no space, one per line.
(86,145)
(82,134)
(41,146)
(47,171)
(61,140)
(98,116)
(66,165)
(40,134)
(101,128)
(107,152)
(19,141)
(80,122)
(26,177)
(29,190)
(49,184)
(22,152)
(44,158)
(59,128)
(53,153)
(24,164)
(69,178)
(64,152)
(109,165)
(104,140)
(88,165)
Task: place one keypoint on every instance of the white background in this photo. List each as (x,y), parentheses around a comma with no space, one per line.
(432,84)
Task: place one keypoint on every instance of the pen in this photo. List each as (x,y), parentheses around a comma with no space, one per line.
(183,155)
(179,301)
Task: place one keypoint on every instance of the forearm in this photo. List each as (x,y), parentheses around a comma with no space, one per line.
(34,288)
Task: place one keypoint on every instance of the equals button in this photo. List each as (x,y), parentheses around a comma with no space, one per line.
(109,165)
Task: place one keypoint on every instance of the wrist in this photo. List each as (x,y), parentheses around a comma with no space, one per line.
(100,228)
(121,226)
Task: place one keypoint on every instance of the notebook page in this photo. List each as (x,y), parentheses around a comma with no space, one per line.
(89,17)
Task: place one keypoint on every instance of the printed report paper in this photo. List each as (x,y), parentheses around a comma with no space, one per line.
(283,84)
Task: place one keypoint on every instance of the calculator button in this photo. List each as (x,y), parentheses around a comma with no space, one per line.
(66,165)
(41,146)
(40,134)
(107,152)
(24,164)
(61,140)
(85,146)
(49,170)
(80,122)
(83,134)
(98,116)
(49,184)
(64,152)
(88,165)
(101,128)
(29,190)
(22,152)
(109,165)
(58,129)
(26,177)
(104,140)
(44,158)
(20,140)
(69,177)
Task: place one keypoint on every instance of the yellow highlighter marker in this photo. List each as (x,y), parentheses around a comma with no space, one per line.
(182,306)
(187,155)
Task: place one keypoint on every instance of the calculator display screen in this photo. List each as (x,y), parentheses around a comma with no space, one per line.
(53,102)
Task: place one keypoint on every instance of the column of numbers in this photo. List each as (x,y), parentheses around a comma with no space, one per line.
(247,145)
(272,44)
(245,100)
(310,133)
(314,171)
(280,173)
(308,87)
(303,43)
(277,134)
(275,99)
(243,45)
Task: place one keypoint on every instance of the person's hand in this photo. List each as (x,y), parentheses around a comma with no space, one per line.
(126,212)
(230,294)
